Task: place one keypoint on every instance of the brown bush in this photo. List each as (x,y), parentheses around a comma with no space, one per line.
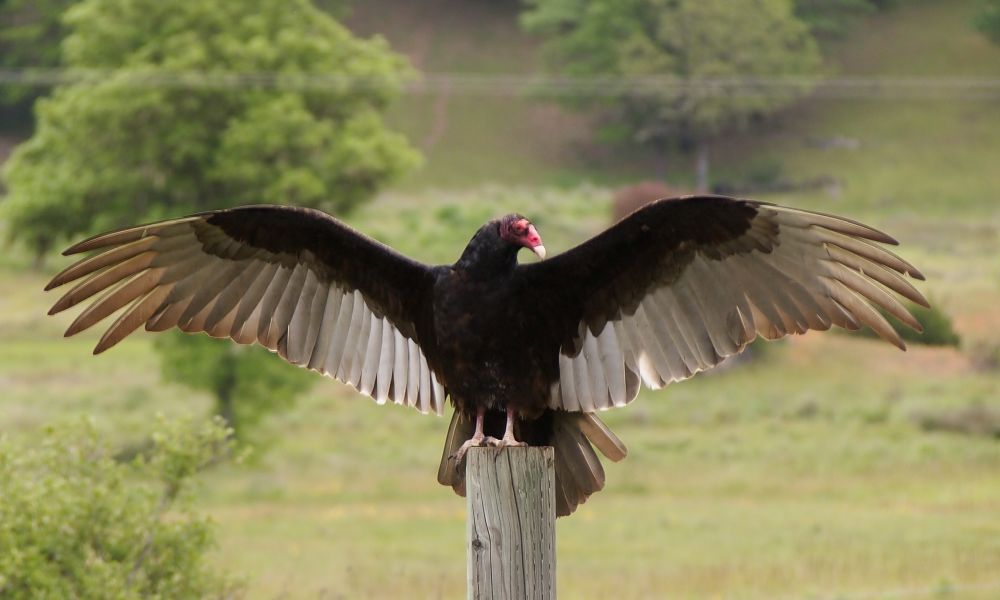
(629,199)
(974,419)
(985,356)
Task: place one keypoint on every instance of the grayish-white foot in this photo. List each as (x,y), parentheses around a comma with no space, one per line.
(508,438)
(477,439)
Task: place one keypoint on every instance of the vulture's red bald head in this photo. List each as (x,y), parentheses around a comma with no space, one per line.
(517,230)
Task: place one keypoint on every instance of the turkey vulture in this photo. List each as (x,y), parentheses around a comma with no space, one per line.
(528,353)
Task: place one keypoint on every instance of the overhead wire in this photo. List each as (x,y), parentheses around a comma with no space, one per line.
(514,84)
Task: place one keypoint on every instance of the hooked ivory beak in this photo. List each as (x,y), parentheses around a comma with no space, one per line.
(534,242)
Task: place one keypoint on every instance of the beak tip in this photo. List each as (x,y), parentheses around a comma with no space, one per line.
(539,251)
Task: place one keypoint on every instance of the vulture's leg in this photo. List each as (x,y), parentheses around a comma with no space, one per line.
(508,433)
(477,438)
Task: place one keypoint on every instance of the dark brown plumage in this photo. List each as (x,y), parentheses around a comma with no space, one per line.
(527,353)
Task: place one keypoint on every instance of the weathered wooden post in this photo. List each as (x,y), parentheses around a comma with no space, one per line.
(511,541)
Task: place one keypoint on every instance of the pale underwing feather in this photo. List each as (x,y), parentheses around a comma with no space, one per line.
(103,280)
(327,329)
(401,362)
(248,309)
(342,331)
(425,386)
(413,374)
(353,337)
(372,355)
(270,300)
(192,275)
(360,348)
(386,363)
(94,263)
(597,385)
(792,271)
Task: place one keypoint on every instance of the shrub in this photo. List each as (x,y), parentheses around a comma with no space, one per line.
(985,356)
(975,419)
(74,523)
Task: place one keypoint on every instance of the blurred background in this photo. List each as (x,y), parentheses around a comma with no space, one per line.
(830,465)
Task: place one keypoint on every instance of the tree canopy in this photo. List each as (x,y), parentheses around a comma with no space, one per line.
(204,103)
(698,58)
(832,18)
(30,31)
(201,104)
(987,19)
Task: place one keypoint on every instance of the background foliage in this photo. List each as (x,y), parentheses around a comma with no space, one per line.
(75,523)
(135,146)
(30,31)
(987,19)
(834,18)
(715,45)
(248,382)
(837,466)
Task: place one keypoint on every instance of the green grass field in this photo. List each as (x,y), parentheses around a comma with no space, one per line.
(801,475)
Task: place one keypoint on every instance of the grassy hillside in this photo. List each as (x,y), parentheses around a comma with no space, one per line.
(929,155)
(804,475)
(472,138)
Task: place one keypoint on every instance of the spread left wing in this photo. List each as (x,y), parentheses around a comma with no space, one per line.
(296,280)
(681,284)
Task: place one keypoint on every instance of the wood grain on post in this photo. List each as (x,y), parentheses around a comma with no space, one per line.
(511,523)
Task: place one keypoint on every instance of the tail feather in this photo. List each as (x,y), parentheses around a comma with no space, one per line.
(579,473)
(580,465)
(450,473)
(598,433)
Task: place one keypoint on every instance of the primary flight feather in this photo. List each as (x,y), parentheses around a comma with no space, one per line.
(528,353)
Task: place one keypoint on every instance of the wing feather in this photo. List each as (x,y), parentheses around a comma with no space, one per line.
(400,364)
(372,355)
(231,295)
(97,262)
(686,283)
(386,364)
(614,365)
(328,328)
(356,324)
(248,310)
(295,280)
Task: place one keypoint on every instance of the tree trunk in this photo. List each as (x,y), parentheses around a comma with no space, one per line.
(42,248)
(701,167)
(661,161)
(224,386)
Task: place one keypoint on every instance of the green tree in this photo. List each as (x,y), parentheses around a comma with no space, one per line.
(689,67)
(30,32)
(987,19)
(200,104)
(204,104)
(76,523)
(832,18)
(246,381)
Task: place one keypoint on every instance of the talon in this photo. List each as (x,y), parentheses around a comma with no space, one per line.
(480,439)
(474,441)
(506,441)
(513,442)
